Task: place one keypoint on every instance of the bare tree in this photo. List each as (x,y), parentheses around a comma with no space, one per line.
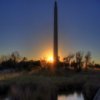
(79,57)
(24,59)
(87,59)
(15,56)
(67,60)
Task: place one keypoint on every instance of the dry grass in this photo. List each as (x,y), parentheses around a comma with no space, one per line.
(46,85)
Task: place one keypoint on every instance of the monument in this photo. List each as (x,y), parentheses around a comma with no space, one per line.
(56,59)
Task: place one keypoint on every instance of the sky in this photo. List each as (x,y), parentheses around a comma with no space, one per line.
(26,26)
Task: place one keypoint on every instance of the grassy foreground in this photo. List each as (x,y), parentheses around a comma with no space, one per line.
(46,85)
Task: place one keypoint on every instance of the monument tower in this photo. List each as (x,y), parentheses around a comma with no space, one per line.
(55,33)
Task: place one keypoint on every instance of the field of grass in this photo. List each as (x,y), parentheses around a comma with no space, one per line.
(46,85)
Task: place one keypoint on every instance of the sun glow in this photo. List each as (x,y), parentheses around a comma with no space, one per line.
(48,56)
(50,59)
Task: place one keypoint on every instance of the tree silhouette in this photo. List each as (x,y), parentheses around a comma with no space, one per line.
(67,60)
(15,56)
(79,57)
(87,59)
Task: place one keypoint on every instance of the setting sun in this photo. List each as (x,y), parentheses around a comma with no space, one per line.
(48,55)
(50,59)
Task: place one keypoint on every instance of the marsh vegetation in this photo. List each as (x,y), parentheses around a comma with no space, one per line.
(22,79)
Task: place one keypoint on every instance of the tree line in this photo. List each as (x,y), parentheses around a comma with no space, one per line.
(15,62)
(77,61)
